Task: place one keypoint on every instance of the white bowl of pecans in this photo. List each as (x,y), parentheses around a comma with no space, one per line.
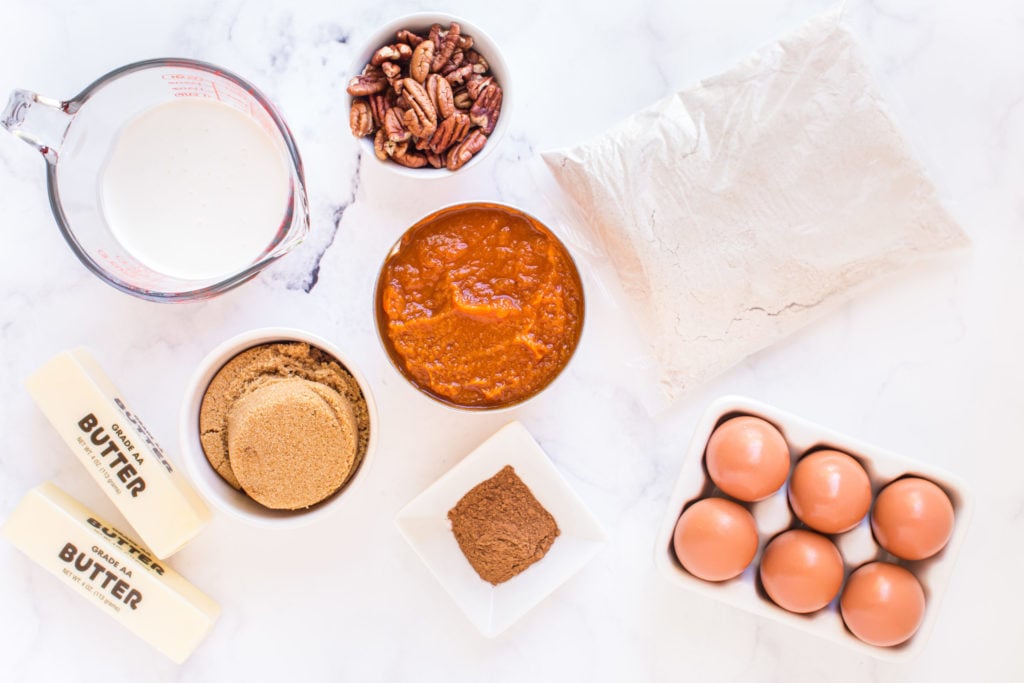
(429,95)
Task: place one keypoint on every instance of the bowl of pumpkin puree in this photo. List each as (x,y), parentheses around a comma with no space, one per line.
(479,306)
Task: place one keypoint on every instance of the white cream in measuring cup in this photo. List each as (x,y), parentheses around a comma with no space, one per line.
(171,179)
(193,188)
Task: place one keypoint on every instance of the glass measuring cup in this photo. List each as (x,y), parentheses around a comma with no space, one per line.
(76,136)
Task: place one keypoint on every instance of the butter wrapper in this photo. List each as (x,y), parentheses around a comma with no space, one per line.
(111,571)
(87,410)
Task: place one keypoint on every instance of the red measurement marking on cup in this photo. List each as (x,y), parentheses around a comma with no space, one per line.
(134,273)
(192,85)
(197,86)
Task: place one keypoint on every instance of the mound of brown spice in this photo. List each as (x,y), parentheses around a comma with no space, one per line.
(501,527)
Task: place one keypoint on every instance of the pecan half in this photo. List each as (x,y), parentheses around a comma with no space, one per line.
(435,160)
(480,65)
(465,42)
(379,105)
(378,145)
(411,159)
(458,76)
(395,149)
(440,92)
(360,118)
(462,100)
(393,126)
(422,144)
(476,83)
(487,108)
(371,81)
(449,132)
(446,47)
(391,53)
(454,63)
(408,37)
(422,56)
(392,72)
(457,156)
(421,117)
(419,125)
(435,34)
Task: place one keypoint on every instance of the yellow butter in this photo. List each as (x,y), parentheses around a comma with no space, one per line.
(88,412)
(111,571)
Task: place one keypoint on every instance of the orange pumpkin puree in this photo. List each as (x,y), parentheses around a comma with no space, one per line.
(480,305)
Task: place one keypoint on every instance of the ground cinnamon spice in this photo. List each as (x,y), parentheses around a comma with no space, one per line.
(501,527)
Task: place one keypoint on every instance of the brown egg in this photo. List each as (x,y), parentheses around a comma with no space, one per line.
(829,491)
(801,571)
(715,539)
(748,458)
(882,604)
(912,518)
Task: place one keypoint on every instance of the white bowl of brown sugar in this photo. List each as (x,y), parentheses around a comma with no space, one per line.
(277,426)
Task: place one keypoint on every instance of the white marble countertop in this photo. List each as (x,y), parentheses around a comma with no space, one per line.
(926,364)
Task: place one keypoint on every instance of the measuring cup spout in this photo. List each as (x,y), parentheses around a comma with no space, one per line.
(40,121)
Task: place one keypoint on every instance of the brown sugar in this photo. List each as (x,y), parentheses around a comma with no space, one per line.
(306,453)
(501,527)
(285,423)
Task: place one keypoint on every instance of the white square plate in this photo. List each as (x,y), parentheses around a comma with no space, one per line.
(425,525)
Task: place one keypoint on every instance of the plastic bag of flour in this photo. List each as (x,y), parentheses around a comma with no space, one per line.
(738,211)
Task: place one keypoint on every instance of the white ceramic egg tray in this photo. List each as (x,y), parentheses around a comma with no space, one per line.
(773,516)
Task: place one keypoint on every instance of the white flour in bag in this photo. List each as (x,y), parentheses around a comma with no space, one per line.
(736,212)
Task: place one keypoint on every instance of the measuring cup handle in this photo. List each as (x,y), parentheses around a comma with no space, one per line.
(39,121)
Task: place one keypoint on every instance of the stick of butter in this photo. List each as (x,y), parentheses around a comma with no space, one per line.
(87,411)
(111,571)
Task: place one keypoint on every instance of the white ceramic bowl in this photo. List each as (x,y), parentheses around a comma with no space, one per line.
(482,43)
(380,321)
(773,515)
(221,494)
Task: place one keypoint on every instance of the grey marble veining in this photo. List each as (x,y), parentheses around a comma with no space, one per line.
(926,364)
